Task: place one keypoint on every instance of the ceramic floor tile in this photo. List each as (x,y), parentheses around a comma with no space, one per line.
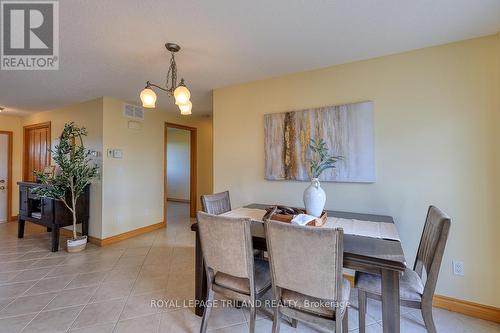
(225,316)
(50,284)
(110,290)
(240,328)
(15,324)
(5,277)
(145,285)
(14,289)
(31,274)
(146,324)
(140,305)
(53,321)
(108,328)
(183,320)
(87,279)
(27,304)
(72,297)
(99,313)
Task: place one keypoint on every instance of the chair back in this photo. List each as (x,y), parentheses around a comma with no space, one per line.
(307,260)
(216,204)
(226,244)
(432,244)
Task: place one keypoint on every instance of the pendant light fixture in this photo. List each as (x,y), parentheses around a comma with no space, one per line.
(180,92)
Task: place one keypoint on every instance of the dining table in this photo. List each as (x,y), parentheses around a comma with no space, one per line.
(372,255)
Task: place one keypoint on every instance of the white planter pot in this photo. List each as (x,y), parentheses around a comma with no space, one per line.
(314,198)
(76,245)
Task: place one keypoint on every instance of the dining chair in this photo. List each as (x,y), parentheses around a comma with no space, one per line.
(216,203)
(413,292)
(231,268)
(306,274)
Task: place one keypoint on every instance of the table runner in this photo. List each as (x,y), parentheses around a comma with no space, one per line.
(351,226)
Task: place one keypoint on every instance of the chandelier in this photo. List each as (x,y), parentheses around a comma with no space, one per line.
(179,91)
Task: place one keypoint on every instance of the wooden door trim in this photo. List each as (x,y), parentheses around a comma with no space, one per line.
(192,172)
(10,136)
(47,125)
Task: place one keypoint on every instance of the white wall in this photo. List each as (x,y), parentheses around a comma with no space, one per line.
(178,163)
(434,113)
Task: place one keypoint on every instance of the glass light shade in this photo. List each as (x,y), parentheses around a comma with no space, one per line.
(181,95)
(148,98)
(186,108)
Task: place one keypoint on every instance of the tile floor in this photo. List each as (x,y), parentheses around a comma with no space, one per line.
(110,289)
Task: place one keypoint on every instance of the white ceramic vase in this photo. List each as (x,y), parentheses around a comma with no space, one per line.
(314,198)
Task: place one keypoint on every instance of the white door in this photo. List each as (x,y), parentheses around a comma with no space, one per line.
(4,144)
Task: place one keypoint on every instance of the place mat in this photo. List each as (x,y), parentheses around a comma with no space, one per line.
(380,230)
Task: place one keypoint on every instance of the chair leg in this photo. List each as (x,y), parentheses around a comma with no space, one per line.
(208,309)
(427,315)
(338,324)
(294,323)
(276,320)
(362,310)
(345,321)
(253,315)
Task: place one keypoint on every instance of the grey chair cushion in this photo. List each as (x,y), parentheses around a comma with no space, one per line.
(324,308)
(411,287)
(241,285)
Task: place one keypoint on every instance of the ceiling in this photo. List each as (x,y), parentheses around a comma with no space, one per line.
(112,48)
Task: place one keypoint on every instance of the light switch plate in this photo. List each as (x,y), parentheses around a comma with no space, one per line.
(117,153)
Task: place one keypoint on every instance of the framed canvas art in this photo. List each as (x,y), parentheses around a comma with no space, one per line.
(347,130)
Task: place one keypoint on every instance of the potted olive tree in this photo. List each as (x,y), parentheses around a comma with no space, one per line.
(74,174)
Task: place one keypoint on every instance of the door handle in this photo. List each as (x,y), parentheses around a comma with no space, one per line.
(2,181)
(2,188)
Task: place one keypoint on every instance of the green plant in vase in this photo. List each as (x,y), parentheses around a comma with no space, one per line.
(314,195)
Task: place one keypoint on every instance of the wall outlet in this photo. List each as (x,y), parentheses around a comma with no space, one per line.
(458,268)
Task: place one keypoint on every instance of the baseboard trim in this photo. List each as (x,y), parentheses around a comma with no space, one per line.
(119,237)
(471,309)
(467,308)
(12,219)
(132,233)
(179,200)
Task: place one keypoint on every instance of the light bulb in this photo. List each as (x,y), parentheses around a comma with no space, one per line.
(186,108)
(181,95)
(148,98)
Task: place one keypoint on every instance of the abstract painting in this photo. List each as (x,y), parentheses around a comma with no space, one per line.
(347,130)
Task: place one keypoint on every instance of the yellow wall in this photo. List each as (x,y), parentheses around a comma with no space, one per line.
(13,124)
(133,186)
(434,139)
(89,115)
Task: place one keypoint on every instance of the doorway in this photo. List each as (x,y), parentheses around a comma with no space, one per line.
(180,170)
(36,149)
(5,176)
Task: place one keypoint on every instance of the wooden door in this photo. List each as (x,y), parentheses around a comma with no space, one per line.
(36,149)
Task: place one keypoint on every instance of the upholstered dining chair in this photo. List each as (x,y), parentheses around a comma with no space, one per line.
(231,268)
(216,203)
(414,293)
(306,273)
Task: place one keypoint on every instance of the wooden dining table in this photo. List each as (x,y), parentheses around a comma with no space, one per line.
(365,254)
